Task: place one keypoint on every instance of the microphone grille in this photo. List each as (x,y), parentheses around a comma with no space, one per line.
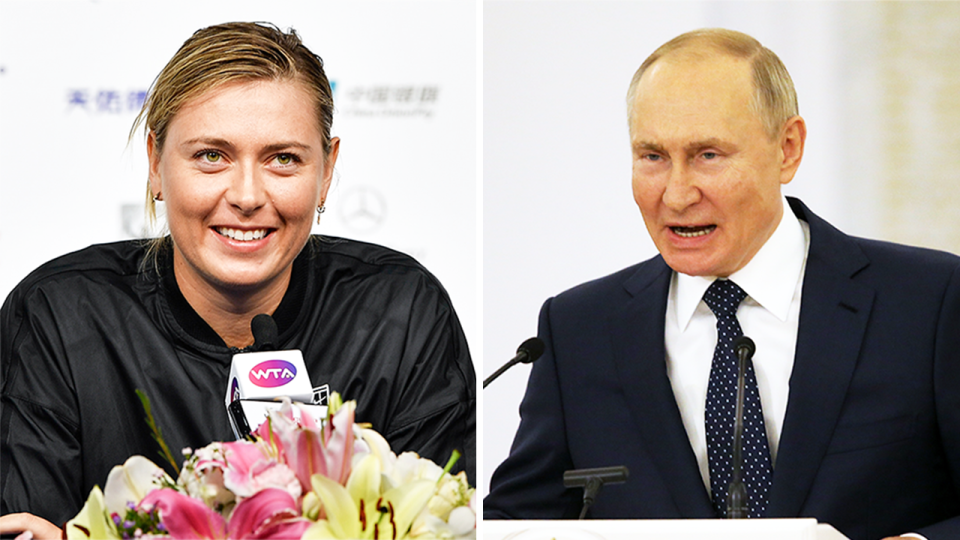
(533,347)
(264,330)
(743,342)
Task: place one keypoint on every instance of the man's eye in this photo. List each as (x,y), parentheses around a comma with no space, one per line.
(285,159)
(652,157)
(710,155)
(211,156)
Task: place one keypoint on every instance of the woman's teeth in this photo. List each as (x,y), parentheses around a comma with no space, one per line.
(244,236)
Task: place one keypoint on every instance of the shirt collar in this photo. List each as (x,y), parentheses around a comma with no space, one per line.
(770,278)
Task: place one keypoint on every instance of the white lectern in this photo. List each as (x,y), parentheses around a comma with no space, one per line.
(670,529)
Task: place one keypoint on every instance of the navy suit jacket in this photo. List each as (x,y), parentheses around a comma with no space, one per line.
(871,437)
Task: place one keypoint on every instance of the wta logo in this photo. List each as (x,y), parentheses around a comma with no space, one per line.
(272,373)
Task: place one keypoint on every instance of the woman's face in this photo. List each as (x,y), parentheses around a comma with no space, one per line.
(242,172)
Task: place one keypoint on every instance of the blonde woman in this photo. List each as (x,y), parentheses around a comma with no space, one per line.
(238,138)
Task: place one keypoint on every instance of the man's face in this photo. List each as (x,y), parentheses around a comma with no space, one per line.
(706,175)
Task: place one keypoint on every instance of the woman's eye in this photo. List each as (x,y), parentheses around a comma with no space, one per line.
(285,159)
(211,157)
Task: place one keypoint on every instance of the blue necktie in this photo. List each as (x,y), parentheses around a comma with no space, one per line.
(724,297)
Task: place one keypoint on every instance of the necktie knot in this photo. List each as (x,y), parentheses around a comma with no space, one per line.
(724,297)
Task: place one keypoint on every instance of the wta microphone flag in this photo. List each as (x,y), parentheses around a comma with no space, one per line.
(267,375)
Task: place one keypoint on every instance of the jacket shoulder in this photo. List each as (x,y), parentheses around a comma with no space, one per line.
(630,281)
(99,261)
(350,252)
(381,269)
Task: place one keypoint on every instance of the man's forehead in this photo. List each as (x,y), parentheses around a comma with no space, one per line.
(680,92)
(696,66)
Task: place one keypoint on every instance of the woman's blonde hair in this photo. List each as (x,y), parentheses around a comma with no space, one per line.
(226,53)
(774,99)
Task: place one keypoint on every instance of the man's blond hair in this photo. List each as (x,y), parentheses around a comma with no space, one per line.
(774,98)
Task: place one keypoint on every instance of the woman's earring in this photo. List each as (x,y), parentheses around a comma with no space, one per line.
(158,197)
(320,210)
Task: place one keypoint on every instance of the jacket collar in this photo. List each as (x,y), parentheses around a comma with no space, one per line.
(833,320)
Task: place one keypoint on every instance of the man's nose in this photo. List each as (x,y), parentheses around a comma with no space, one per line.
(682,189)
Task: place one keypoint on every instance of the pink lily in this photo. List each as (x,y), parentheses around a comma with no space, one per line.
(328,452)
(338,438)
(185,517)
(245,463)
(271,513)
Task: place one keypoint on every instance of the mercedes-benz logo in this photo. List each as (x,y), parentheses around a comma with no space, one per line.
(363,208)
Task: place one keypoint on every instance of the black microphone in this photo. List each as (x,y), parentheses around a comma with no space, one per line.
(264,330)
(737,499)
(591,480)
(528,351)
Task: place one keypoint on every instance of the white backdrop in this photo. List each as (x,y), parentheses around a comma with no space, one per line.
(72,77)
(558,208)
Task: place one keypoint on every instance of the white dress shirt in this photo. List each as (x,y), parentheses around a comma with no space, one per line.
(770,314)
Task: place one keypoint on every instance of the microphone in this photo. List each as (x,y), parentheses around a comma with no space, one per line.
(528,351)
(264,330)
(258,378)
(737,498)
(591,480)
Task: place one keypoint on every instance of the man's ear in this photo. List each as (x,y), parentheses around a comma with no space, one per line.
(792,138)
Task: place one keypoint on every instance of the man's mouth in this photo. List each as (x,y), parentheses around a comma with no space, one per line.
(242,236)
(693,232)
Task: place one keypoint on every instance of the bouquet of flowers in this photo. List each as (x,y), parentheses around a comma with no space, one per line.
(292,480)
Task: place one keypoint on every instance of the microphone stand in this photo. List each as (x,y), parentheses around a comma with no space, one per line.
(528,351)
(591,480)
(737,499)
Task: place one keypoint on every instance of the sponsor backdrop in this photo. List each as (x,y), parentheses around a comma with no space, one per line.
(73,75)
(877,84)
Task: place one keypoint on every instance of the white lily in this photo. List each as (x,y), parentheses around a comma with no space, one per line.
(361,511)
(92,521)
(131,482)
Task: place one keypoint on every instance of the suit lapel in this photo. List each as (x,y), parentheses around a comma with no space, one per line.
(833,318)
(639,356)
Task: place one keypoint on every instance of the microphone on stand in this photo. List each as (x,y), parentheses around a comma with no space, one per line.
(264,330)
(591,480)
(258,377)
(528,351)
(737,498)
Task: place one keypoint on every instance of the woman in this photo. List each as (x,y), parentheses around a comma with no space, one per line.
(240,152)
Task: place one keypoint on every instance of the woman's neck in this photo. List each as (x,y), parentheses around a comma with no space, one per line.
(229,311)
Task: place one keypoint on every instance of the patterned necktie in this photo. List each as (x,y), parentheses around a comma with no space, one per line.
(724,297)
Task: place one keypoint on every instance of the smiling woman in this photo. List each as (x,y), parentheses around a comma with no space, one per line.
(241,173)
(240,154)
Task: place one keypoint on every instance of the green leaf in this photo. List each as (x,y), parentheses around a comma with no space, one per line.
(155,429)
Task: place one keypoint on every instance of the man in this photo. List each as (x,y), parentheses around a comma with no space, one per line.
(853,396)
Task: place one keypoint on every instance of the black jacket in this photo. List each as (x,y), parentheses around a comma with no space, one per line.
(84,330)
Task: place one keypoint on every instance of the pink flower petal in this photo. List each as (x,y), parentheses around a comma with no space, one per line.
(307,457)
(185,517)
(338,438)
(267,509)
(241,455)
(306,419)
(286,529)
